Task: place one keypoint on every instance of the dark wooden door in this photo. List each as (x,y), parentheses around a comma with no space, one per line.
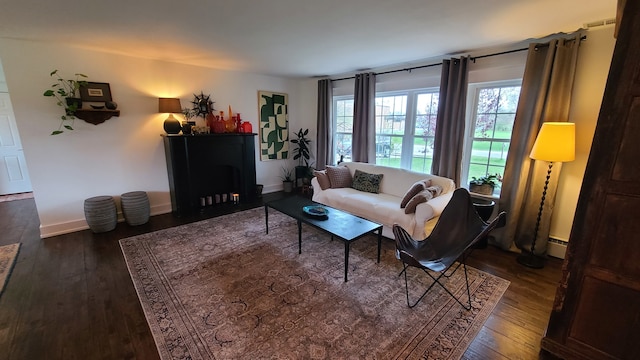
(596,313)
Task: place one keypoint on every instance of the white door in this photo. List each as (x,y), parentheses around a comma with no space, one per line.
(14,177)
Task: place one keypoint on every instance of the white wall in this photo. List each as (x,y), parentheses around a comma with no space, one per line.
(594,60)
(124,153)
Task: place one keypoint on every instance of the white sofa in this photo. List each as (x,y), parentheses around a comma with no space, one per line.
(384,207)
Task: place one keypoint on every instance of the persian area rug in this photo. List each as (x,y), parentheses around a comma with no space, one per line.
(223,289)
(8,255)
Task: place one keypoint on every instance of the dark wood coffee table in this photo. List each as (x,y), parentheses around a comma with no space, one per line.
(340,224)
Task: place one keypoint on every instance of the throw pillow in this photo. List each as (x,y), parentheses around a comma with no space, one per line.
(419,198)
(413,190)
(366,182)
(435,190)
(323,179)
(339,176)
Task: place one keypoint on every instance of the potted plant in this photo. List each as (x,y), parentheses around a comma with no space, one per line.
(287,180)
(485,184)
(65,92)
(302,154)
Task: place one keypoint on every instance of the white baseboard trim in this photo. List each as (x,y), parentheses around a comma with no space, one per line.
(557,248)
(81,224)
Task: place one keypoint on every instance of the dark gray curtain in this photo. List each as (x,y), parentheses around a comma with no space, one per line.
(449,139)
(324,144)
(364,131)
(545,96)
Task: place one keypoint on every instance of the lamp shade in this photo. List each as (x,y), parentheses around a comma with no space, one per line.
(169,105)
(556,142)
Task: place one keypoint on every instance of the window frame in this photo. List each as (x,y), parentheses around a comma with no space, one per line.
(473,91)
(334,119)
(408,138)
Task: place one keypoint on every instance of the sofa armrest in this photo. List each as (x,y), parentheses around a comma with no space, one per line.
(316,188)
(424,212)
(439,203)
(427,215)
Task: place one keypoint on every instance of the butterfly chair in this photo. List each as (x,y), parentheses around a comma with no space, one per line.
(457,230)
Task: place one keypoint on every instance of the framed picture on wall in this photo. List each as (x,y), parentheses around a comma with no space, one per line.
(273,108)
(95,92)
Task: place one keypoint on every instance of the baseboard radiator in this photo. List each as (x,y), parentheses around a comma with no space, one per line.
(557,248)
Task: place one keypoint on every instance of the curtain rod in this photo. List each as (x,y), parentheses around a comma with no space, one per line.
(473,58)
(437,64)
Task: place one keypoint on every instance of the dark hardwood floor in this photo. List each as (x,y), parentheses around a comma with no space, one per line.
(71,297)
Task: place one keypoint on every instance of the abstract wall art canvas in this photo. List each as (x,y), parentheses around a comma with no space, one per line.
(274,125)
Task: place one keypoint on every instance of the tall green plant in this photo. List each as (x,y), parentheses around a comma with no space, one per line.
(62,90)
(302,151)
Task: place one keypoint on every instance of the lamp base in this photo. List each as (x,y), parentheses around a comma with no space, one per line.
(172,125)
(530,260)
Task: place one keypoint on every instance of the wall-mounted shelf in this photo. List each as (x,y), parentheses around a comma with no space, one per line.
(96,117)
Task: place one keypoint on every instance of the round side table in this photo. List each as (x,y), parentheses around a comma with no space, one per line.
(484,208)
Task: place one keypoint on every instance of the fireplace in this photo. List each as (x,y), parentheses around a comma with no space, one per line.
(211,168)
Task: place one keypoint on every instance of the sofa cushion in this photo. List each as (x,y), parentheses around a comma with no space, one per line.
(422,196)
(366,182)
(417,187)
(323,179)
(435,190)
(339,176)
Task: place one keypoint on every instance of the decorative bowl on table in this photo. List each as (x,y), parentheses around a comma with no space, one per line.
(315,211)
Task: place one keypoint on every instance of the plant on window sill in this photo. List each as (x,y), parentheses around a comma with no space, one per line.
(485,184)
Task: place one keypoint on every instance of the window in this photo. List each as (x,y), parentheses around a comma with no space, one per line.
(343,117)
(405,128)
(492,111)
(424,131)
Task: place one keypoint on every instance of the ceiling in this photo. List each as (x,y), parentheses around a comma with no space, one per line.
(296,38)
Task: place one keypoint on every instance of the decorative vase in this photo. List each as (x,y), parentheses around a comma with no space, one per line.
(247,128)
(210,121)
(218,126)
(230,125)
(238,123)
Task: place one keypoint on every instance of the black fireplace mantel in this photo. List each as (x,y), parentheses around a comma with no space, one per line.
(207,165)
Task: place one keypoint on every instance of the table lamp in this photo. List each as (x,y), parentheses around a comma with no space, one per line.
(170,106)
(555,143)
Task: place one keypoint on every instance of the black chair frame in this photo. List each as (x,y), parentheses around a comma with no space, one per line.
(452,240)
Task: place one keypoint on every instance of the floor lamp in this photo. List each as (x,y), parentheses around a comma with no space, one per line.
(555,143)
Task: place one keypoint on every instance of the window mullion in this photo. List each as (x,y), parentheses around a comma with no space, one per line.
(407,140)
